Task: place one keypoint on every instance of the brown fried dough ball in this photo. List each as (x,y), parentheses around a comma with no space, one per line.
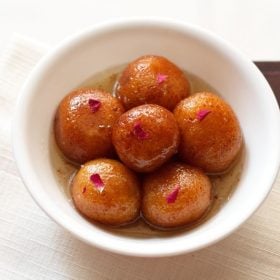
(152,79)
(145,137)
(175,195)
(106,191)
(83,124)
(211,137)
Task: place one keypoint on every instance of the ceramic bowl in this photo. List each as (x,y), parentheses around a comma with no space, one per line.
(113,43)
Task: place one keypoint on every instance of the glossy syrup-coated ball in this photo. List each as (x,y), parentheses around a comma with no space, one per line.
(106,191)
(175,195)
(145,137)
(152,79)
(211,137)
(83,124)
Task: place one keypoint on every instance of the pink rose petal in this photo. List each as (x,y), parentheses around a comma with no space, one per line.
(97,181)
(94,105)
(139,132)
(161,78)
(202,114)
(171,198)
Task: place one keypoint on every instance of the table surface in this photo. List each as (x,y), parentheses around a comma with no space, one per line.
(251,25)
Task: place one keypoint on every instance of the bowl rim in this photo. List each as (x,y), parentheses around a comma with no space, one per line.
(111,26)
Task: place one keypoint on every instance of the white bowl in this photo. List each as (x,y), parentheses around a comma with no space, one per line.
(193,49)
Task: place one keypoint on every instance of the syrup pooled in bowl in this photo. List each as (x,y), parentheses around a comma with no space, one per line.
(223,184)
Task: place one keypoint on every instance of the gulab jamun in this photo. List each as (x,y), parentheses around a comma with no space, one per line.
(175,195)
(106,191)
(211,137)
(145,137)
(83,124)
(152,79)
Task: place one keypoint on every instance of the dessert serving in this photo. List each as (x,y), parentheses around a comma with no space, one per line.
(148,142)
(50,151)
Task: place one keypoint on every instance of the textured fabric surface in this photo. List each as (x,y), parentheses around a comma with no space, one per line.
(34,247)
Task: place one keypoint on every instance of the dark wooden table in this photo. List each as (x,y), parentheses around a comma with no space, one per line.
(271,71)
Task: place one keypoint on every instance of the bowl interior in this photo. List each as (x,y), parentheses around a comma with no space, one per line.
(194,50)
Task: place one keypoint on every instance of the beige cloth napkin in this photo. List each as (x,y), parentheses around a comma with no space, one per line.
(34,247)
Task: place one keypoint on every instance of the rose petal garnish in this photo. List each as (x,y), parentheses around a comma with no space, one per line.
(94,105)
(84,190)
(171,198)
(161,78)
(139,132)
(202,114)
(97,181)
